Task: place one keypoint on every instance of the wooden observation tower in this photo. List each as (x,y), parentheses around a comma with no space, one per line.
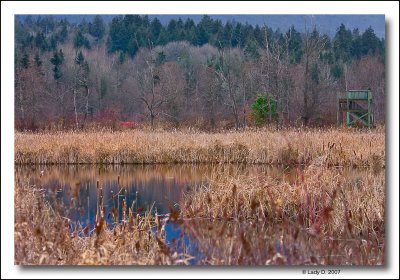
(357,104)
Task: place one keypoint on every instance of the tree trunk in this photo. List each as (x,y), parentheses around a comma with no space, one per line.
(269,109)
(87,103)
(280,111)
(244,115)
(76,112)
(21,99)
(237,120)
(152,119)
(234,106)
(305,94)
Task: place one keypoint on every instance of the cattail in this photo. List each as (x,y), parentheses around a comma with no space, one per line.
(124,212)
(157,221)
(88,207)
(234,190)
(137,246)
(163,247)
(101,197)
(99,225)
(137,200)
(86,229)
(117,208)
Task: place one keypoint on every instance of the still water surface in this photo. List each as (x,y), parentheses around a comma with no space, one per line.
(148,187)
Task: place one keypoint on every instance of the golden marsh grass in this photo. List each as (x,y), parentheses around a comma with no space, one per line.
(321,217)
(331,147)
(321,199)
(43,237)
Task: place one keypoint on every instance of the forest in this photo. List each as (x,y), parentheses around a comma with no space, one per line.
(207,75)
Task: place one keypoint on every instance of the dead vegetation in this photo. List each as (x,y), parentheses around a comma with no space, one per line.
(322,218)
(337,147)
(320,199)
(44,237)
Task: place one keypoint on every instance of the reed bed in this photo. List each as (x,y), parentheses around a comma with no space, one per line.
(320,199)
(44,237)
(322,217)
(331,147)
(252,243)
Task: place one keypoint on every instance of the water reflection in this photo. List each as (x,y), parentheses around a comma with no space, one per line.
(145,187)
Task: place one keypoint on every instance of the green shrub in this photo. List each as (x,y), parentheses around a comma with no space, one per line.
(263,108)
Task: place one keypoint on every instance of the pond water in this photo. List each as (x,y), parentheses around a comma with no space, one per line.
(151,186)
(147,187)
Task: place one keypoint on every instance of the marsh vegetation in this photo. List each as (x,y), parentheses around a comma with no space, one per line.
(317,203)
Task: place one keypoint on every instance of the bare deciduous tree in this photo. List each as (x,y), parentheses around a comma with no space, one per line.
(157,85)
(276,79)
(313,46)
(229,70)
(211,97)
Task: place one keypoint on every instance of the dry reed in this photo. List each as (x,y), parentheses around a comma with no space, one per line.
(331,147)
(44,237)
(320,199)
(321,218)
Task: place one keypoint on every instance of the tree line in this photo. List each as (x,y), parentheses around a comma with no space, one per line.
(207,74)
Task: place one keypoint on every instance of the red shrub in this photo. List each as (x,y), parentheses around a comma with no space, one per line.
(127,124)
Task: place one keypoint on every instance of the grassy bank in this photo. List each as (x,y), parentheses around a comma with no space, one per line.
(330,147)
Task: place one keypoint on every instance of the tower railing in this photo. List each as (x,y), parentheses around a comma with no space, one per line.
(357,105)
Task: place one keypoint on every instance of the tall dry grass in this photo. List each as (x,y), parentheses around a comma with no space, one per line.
(321,199)
(331,147)
(321,218)
(225,242)
(43,237)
